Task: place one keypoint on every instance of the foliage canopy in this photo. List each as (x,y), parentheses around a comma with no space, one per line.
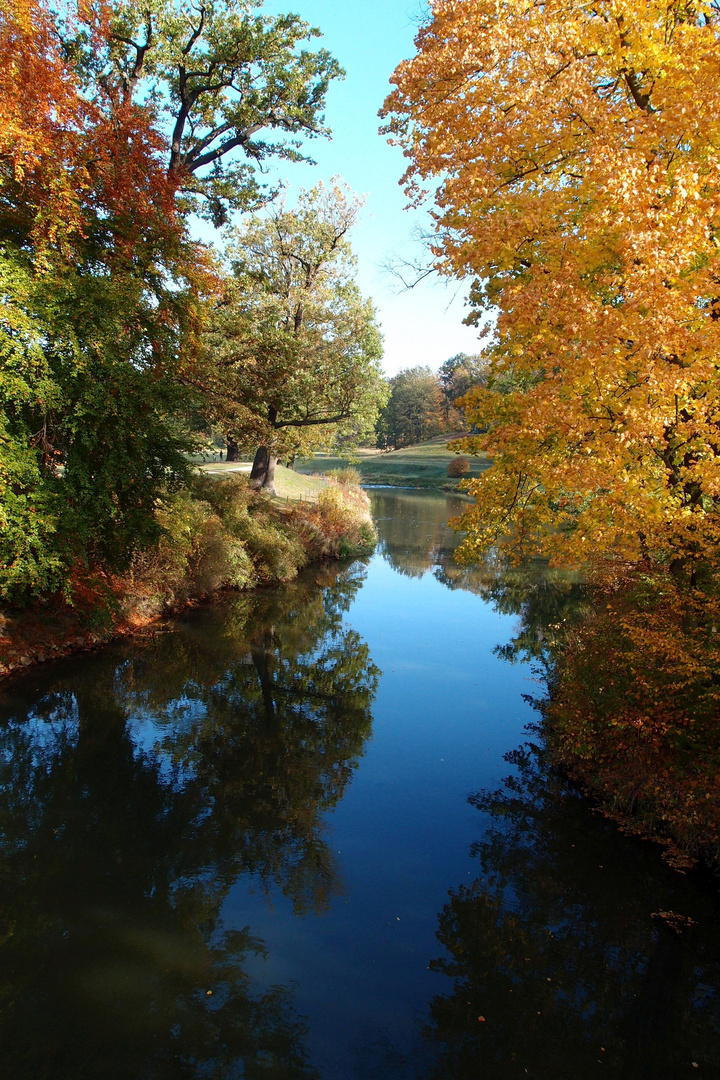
(116,120)
(293,346)
(573,153)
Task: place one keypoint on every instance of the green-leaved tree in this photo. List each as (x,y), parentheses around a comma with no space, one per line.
(293,348)
(413,411)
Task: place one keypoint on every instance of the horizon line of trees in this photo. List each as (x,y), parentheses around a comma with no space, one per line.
(423,404)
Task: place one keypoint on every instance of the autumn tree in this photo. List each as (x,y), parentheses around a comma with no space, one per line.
(37,104)
(293,348)
(458,375)
(572,152)
(92,331)
(413,410)
(115,124)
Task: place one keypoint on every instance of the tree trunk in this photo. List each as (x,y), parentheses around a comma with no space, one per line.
(291,461)
(263,669)
(262,474)
(233,450)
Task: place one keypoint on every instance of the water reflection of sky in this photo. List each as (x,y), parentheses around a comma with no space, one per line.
(248,807)
(445,711)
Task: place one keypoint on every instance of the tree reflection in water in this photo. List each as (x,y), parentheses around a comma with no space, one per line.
(413,530)
(573,953)
(415,538)
(137,787)
(545,600)
(562,964)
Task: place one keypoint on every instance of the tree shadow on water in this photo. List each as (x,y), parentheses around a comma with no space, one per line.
(137,787)
(575,952)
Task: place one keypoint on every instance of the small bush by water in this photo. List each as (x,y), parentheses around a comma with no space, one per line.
(460,466)
(338,526)
(347,475)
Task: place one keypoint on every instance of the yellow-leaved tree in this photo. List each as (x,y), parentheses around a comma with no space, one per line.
(573,151)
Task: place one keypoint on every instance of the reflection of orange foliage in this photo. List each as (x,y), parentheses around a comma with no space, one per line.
(634,711)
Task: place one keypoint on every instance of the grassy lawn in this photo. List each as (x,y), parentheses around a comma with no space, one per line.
(290,486)
(220,467)
(206,458)
(424,465)
(295,486)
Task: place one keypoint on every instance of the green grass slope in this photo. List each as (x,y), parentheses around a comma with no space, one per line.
(421,466)
(290,486)
(297,487)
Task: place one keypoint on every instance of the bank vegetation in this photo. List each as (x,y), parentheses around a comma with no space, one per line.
(215,534)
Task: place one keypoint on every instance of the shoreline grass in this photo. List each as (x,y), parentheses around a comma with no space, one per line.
(290,485)
(421,466)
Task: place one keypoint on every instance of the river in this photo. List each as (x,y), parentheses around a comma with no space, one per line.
(307,833)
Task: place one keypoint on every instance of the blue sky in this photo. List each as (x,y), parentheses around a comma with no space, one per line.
(369,38)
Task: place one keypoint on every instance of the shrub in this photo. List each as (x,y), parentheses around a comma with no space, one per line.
(459,466)
(276,550)
(339,525)
(196,554)
(346,475)
(215,534)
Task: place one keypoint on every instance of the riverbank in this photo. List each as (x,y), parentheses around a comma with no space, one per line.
(218,533)
(421,466)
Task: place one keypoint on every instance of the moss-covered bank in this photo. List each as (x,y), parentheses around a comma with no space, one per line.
(217,534)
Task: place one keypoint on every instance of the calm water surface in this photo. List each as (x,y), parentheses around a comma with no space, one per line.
(300,834)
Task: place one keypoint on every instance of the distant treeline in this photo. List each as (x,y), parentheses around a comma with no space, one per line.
(424,403)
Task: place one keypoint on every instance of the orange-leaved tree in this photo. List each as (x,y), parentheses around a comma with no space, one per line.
(573,151)
(118,118)
(98,301)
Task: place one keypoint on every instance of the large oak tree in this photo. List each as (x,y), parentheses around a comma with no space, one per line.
(293,348)
(229,85)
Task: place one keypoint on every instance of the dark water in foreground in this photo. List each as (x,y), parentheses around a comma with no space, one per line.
(277,841)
